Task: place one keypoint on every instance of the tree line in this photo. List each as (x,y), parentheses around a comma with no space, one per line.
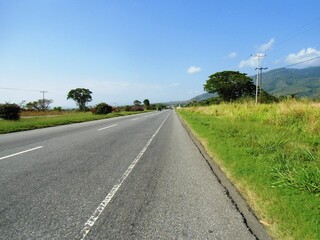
(229,86)
(81,96)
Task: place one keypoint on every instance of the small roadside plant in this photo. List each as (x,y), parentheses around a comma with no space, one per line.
(10,111)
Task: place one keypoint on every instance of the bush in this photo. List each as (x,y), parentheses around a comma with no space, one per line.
(58,109)
(137,108)
(10,111)
(102,108)
(127,108)
(116,109)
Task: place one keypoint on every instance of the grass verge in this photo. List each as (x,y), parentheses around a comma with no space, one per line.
(54,120)
(271,154)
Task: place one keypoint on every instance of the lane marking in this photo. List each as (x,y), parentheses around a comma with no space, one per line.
(107,127)
(96,214)
(15,154)
(134,119)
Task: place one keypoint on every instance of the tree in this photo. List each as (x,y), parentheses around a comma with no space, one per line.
(136,102)
(40,105)
(230,85)
(146,103)
(81,96)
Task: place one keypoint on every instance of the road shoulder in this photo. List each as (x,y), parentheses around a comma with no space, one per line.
(245,210)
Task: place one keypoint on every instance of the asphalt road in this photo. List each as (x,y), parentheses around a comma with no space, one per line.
(136,177)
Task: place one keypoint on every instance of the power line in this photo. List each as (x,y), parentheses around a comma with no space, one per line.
(30,90)
(301,30)
(301,62)
(20,89)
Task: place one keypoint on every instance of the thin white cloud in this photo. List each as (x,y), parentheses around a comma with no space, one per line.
(193,69)
(250,62)
(304,55)
(266,46)
(232,55)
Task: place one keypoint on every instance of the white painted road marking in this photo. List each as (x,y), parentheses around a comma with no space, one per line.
(89,224)
(107,127)
(134,119)
(15,154)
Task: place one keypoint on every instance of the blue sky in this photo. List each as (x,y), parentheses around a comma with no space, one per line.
(123,50)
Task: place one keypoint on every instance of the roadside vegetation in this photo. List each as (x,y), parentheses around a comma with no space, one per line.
(37,114)
(271,153)
(34,120)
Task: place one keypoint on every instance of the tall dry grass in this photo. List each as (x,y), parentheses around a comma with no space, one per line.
(303,116)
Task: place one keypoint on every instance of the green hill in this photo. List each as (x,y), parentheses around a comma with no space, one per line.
(287,81)
(203,96)
(284,82)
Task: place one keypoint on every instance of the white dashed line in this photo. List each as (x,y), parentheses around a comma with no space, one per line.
(107,127)
(89,224)
(15,154)
(134,119)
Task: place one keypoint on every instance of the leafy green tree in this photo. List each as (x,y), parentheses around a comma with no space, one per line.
(230,85)
(267,98)
(40,105)
(146,103)
(137,103)
(81,96)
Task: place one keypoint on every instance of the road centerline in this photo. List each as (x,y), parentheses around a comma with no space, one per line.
(18,153)
(100,129)
(96,214)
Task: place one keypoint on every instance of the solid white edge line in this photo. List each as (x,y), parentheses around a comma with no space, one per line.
(91,221)
(107,127)
(15,154)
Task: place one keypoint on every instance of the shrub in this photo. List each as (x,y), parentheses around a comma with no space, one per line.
(102,108)
(116,109)
(10,111)
(58,109)
(127,108)
(137,108)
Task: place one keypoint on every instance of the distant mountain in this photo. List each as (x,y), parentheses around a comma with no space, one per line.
(203,96)
(287,81)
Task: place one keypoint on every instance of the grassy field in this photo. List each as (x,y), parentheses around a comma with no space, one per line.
(271,153)
(34,120)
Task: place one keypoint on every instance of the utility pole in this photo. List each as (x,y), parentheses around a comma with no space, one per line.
(258,56)
(43,92)
(260,80)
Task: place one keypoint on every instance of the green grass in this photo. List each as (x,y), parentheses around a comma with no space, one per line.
(272,155)
(55,120)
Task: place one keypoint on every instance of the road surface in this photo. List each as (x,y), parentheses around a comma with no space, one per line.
(136,177)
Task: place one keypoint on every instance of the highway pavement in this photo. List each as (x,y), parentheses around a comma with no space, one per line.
(135,177)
